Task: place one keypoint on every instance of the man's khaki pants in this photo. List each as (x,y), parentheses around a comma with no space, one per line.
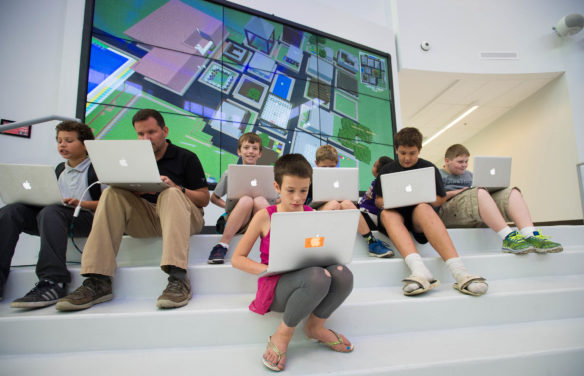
(174,217)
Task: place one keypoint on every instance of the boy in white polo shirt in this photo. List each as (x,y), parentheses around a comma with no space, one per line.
(53,223)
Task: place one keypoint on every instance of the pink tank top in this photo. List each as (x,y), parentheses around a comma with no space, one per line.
(267,285)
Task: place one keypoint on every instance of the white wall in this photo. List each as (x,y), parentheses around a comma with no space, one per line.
(458,30)
(543,167)
(551,123)
(40,43)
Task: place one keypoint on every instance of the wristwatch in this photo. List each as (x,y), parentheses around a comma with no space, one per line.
(182,189)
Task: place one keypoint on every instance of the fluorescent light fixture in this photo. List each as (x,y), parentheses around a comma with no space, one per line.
(468,112)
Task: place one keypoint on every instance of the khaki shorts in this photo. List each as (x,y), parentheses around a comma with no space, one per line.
(462,210)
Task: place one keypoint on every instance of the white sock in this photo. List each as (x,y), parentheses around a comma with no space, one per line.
(417,267)
(226,245)
(504,232)
(458,271)
(528,231)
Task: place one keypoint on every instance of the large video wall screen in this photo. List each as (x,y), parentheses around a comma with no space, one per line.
(216,70)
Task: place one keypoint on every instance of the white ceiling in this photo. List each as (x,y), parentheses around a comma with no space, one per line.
(431,100)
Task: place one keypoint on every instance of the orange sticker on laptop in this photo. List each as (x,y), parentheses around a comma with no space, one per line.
(314,242)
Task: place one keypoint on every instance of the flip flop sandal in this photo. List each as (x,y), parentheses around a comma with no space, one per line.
(463,284)
(339,341)
(423,283)
(275,349)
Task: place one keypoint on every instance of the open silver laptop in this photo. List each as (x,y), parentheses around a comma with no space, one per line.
(492,173)
(251,180)
(311,238)
(128,164)
(335,184)
(406,188)
(29,184)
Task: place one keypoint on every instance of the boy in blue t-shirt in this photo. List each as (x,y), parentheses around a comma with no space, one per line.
(327,156)
(367,202)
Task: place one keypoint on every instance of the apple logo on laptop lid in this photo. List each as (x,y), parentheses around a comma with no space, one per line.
(409,188)
(336,184)
(492,171)
(123,162)
(26,185)
(254,183)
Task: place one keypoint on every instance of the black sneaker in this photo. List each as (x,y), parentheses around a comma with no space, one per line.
(92,291)
(176,294)
(43,294)
(217,255)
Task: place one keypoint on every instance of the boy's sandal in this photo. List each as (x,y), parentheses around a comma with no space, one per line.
(339,341)
(423,284)
(463,284)
(275,349)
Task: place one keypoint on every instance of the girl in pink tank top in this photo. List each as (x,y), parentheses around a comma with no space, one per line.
(292,175)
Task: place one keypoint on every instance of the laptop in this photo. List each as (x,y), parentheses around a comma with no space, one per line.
(406,188)
(29,184)
(339,184)
(251,180)
(311,238)
(492,173)
(127,164)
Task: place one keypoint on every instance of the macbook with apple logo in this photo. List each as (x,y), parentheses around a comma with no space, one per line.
(29,184)
(492,173)
(127,164)
(311,238)
(330,183)
(406,188)
(251,180)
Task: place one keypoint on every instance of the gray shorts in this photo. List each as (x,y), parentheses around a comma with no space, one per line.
(462,210)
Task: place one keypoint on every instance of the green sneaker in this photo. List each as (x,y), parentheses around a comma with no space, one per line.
(515,243)
(543,244)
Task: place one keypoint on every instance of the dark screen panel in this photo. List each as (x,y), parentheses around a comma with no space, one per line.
(217,70)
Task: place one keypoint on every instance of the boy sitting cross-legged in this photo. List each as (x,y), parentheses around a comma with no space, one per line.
(471,207)
(424,223)
(238,212)
(327,156)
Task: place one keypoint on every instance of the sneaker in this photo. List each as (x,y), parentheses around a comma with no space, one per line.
(217,255)
(43,294)
(542,244)
(176,294)
(379,249)
(92,291)
(515,243)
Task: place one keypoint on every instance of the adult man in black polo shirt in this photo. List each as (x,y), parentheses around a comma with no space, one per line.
(175,214)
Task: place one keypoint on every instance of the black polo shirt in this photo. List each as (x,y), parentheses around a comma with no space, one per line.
(182,167)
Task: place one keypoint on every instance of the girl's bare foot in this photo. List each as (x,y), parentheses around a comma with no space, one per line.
(329,338)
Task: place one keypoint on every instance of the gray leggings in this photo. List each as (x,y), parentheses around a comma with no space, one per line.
(310,290)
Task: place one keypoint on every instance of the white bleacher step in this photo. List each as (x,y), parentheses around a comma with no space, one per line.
(145,252)
(148,281)
(536,348)
(197,324)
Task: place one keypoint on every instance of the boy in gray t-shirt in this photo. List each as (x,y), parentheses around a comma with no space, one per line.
(238,212)
(473,207)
